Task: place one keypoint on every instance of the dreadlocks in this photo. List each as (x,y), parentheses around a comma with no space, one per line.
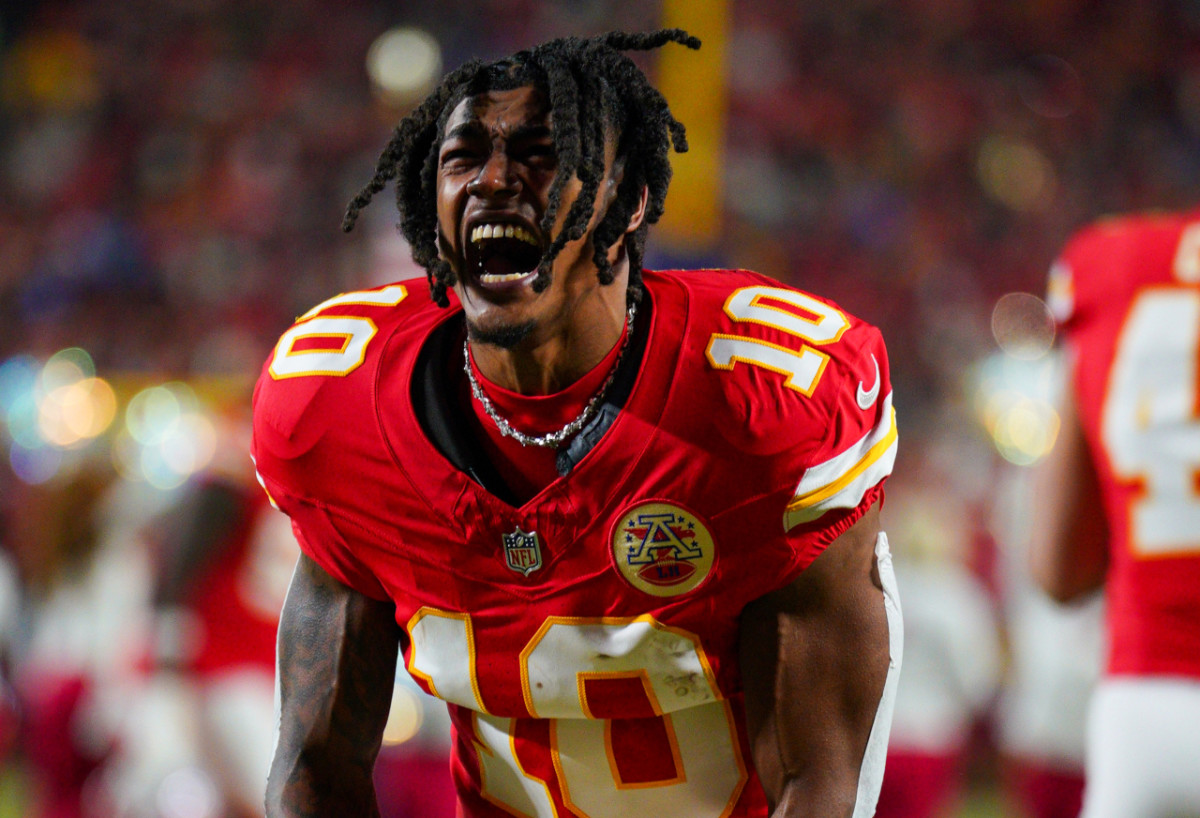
(593,91)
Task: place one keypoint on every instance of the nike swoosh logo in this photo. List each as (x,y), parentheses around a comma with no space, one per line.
(867,397)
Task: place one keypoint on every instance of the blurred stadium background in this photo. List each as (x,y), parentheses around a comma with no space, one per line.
(172,176)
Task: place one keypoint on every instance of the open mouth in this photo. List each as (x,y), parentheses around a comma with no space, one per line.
(503,255)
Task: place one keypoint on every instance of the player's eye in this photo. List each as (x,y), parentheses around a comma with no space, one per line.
(459,155)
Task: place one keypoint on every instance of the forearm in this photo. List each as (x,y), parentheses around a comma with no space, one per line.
(827,749)
(820,663)
(823,796)
(311,784)
(337,663)
(1068,550)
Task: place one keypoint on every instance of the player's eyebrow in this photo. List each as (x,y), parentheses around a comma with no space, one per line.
(530,132)
(464,130)
(473,128)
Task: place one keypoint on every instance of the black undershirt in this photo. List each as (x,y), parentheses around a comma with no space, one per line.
(441,400)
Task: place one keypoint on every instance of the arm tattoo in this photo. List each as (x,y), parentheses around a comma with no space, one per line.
(337,666)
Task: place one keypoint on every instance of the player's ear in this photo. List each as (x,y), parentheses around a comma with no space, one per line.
(639,213)
(616,175)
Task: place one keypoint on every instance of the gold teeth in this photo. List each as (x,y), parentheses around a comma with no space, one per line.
(502,231)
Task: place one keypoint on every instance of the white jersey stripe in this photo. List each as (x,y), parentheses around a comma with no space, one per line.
(841,481)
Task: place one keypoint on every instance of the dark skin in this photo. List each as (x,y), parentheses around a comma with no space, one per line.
(496,165)
(1069,543)
(814,655)
(337,665)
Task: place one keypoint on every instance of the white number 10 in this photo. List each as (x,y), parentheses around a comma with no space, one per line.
(804,366)
(338,357)
(557,666)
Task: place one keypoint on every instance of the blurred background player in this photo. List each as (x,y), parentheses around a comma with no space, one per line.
(1054,654)
(65,655)
(223,558)
(1117,503)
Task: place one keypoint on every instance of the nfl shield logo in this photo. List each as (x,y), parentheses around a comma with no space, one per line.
(522,551)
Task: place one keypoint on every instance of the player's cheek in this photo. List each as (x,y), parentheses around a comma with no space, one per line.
(448,238)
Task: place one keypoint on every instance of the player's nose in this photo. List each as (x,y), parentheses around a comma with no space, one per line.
(495,177)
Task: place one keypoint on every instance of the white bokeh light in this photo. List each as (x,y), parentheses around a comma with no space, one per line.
(403,64)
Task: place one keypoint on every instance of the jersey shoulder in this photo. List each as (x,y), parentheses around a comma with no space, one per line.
(1120,254)
(1110,241)
(788,373)
(319,379)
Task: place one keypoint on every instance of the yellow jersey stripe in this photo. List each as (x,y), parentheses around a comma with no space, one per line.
(873,454)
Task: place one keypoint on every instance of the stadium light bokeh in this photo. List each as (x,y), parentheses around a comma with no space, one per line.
(57,414)
(403,64)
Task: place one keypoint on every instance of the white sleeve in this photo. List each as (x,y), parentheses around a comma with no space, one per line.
(870,775)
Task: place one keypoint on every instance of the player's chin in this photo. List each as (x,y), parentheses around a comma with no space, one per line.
(499,308)
(506,335)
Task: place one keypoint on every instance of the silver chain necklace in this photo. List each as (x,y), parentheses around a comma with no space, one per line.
(554,439)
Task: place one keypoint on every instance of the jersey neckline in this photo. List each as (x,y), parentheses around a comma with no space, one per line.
(431,472)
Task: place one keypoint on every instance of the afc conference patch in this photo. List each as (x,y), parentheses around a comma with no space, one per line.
(661,548)
(522,551)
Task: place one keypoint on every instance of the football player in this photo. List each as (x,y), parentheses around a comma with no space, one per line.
(224,558)
(626,523)
(1120,506)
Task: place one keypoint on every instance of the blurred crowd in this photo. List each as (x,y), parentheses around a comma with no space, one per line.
(172,176)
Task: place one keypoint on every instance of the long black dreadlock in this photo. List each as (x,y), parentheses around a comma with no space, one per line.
(593,91)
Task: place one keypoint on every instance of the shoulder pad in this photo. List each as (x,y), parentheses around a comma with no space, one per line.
(323,367)
(787,364)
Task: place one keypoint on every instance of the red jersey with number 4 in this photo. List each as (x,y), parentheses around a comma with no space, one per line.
(1127,293)
(587,641)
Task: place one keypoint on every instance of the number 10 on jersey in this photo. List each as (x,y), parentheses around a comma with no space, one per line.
(565,668)
(802,367)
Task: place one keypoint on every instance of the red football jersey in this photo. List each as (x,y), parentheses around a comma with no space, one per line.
(238,599)
(1127,294)
(587,640)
